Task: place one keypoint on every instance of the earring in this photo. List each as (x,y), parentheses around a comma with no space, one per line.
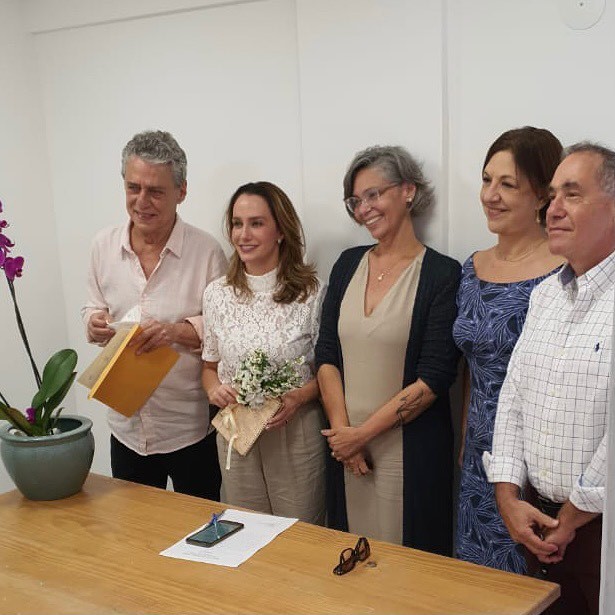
(279,241)
(409,204)
(538,220)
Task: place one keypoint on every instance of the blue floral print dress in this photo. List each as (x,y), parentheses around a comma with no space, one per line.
(489,322)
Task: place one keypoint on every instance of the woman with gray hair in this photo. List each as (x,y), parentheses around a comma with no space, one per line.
(386,359)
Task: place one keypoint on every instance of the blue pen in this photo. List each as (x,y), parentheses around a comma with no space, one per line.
(214,522)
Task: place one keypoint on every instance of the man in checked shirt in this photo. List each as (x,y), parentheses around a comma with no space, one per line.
(550,429)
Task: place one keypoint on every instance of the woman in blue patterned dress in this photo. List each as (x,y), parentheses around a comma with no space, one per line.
(492,301)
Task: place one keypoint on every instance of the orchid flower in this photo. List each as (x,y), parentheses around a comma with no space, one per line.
(13,267)
(58,375)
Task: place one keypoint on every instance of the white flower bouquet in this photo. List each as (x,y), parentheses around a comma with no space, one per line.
(257,379)
(260,385)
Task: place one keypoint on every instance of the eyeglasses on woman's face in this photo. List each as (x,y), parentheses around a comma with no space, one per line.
(370,197)
(350,557)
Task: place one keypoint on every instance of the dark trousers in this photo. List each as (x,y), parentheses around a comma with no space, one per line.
(194,470)
(578,574)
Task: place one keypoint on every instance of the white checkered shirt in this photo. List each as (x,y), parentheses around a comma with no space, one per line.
(552,412)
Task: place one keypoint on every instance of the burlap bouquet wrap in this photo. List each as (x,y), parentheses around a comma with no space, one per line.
(241,425)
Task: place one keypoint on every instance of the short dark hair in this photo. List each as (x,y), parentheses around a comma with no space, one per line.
(537,152)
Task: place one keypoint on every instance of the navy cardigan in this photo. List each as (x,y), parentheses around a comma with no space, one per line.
(431,355)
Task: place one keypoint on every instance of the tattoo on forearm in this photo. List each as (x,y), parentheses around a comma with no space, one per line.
(408,408)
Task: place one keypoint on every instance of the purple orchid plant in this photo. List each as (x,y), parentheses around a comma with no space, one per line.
(59,373)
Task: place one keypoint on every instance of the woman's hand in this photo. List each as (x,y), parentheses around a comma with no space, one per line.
(222,395)
(345,442)
(291,402)
(358,465)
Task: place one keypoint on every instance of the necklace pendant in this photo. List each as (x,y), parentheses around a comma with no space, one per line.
(381,277)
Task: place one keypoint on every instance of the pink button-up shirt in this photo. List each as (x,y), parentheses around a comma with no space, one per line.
(177,413)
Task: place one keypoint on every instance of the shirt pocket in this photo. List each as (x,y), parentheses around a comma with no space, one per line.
(588,366)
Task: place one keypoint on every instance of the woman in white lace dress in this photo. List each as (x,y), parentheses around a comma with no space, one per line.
(270,299)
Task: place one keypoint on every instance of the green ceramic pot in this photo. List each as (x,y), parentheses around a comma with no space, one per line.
(49,467)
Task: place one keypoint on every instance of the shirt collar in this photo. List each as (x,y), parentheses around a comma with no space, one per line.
(263,283)
(174,244)
(596,280)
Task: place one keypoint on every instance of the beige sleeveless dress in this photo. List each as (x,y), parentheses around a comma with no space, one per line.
(373,349)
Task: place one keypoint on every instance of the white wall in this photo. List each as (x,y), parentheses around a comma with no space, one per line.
(26,195)
(512,64)
(370,73)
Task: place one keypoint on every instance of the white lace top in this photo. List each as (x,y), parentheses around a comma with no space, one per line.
(233,327)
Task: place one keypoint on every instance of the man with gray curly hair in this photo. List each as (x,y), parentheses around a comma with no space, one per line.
(155,267)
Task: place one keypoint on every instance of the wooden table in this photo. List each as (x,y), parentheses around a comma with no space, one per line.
(98,552)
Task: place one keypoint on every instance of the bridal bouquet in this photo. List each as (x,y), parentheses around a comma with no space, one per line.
(257,379)
(260,385)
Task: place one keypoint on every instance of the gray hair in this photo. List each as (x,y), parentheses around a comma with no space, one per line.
(606,174)
(157,147)
(398,166)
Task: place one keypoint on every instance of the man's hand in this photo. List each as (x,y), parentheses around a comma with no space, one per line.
(570,519)
(154,334)
(561,537)
(526,524)
(99,331)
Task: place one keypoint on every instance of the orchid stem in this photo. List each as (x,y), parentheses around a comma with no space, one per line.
(24,337)
(4,400)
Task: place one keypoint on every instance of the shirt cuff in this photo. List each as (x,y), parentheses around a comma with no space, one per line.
(504,469)
(197,323)
(587,498)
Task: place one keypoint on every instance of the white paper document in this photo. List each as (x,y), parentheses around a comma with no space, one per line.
(132,317)
(259,530)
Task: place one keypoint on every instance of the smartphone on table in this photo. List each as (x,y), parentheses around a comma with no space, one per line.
(213,533)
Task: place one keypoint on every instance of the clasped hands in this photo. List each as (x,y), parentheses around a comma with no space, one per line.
(545,537)
(347,444)
(154,334)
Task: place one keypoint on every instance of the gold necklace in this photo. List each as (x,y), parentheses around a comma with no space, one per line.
(523,255)
(386,272)
(380,277)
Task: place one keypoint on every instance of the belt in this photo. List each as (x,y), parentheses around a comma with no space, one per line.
(547,506)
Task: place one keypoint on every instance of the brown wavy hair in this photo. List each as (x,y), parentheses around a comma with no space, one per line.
(296,279)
